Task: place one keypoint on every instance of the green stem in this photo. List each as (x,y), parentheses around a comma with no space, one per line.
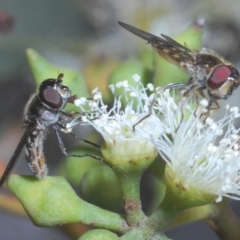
(159,220)
(130,186)
(224,222)
(143,234)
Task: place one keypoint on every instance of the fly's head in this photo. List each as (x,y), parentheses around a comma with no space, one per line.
(222,81)
(53,94)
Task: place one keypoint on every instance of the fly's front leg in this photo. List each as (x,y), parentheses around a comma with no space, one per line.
(60,142)
(170,86)
(84,140)
(76,119)
(34,153)
(148,115)
(74,114)
(69,130)
(211,101)
(63,149)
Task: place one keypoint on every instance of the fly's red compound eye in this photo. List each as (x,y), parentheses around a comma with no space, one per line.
(51,97)
(219,76)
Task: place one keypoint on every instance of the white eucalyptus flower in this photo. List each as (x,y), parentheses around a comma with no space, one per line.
(203,155)
(127,130)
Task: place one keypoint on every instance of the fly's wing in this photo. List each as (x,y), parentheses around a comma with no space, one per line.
(15,155)
(165,46)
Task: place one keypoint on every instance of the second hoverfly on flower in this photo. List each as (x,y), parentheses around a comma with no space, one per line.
(207,70)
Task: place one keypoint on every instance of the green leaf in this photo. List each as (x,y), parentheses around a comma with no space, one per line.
(102,182)
(75,168)
(52,201)
(48,202)
(97,72)
(125,71)
(42,70)
(99,234)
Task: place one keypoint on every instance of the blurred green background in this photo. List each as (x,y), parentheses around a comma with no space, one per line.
(84,35)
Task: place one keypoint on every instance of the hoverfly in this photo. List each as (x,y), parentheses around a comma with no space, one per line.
(206,69)
(43,111)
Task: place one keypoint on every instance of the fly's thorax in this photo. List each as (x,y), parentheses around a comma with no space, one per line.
(35,112)
(197,74)
(46,118)
(209,57)
(31,109)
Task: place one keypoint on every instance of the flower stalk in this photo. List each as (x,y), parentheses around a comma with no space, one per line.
(223,221)
(129,170)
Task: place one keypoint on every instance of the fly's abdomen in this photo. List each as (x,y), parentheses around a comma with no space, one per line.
(34,153)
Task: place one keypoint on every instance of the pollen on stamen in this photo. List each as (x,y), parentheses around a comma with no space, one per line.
(225,141)
(214,126)
(236,147)
(94,91)
(97,96)
(84,119)
(235,136)
(67,129)
(111,87)
(93,104)
(209,121)
(80,101)
(227,106)
(119,84)
(211,148)
(150,87)
(104,107)
(234,109)
(125,83)
(136,77)
(133,94)
(204,102)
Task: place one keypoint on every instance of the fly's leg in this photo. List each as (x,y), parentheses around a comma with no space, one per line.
(69,130)
(209,108)
(63,149)
(84,140)
(211,101)
(177,85)
(148,115)
(186,93)
(59,140)
(170,86)
(142,119)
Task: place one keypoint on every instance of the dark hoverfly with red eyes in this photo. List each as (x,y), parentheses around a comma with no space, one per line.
(207,70)
(43,111)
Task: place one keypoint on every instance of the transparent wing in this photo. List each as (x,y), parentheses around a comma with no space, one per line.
(15,155)
(165,46)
